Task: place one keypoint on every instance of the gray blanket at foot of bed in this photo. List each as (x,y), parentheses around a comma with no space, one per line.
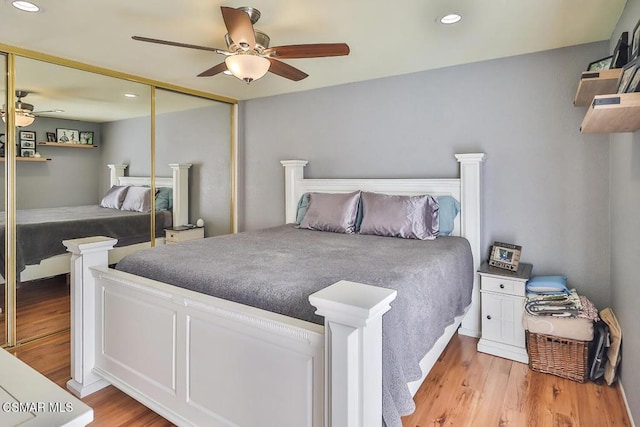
(276,269)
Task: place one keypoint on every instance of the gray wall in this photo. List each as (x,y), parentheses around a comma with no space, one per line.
(546,185)
(198,136)
(625,235)
(69,179)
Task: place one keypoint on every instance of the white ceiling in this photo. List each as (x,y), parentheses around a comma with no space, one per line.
(385,38)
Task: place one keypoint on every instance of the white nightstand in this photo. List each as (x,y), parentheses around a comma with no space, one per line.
(502,298)
(179,235)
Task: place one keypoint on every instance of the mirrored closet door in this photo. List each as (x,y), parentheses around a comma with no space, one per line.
(83,123)
(3,137)
(197,131)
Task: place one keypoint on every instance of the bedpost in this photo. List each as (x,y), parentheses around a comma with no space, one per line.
(471,226)
(180,193)
(353,351)
(293,172)
(86,252)
(115,172)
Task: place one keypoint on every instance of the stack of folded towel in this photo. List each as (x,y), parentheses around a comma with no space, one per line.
(552,308)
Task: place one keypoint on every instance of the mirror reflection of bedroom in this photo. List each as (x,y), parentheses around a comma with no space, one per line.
(83,123)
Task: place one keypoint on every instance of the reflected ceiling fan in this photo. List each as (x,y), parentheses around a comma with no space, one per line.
(24,111)
(249,56)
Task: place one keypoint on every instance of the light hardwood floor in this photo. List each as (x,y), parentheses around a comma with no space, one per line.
(465,388)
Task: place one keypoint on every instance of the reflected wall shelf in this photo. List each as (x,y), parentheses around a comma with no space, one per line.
(613,113)
(28,159)
(66,145)
(594,83)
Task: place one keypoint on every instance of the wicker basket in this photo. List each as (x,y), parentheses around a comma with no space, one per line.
(563,357)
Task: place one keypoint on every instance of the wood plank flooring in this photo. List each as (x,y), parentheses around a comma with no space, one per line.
(464,388)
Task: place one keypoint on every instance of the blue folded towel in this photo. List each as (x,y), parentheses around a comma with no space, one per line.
(548,285)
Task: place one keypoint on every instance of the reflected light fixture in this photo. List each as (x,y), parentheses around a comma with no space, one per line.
(247,67)
(24,112)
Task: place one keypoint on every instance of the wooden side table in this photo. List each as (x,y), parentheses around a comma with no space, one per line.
(502,305)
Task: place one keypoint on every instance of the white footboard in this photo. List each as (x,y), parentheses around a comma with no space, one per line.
(200,360)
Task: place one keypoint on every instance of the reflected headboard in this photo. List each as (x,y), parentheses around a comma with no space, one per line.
(179,182)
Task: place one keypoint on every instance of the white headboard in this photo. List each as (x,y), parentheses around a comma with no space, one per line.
(179,182)
(467,189)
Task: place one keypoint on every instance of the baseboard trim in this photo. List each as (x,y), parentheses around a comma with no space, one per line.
(626,403)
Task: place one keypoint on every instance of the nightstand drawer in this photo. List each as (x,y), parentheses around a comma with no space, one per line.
(174,236)
(503,285)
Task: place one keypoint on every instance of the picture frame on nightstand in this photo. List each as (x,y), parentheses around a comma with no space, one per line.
(505,256)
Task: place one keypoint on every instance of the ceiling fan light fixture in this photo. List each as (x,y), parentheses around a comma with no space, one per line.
(23,118)
(450,18)
(25,6)
(247,67)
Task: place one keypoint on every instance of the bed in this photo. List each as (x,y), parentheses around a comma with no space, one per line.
(39,232)
(199,359)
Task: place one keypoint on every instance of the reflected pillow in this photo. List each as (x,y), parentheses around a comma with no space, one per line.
(449,208)
(331,212)
(137,199)
(408,217)
(114,197)
(164,199)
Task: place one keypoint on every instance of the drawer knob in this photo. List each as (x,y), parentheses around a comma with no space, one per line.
(501,286)
(488,317)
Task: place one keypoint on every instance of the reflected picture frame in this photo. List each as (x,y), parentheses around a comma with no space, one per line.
(86,138)
(51,137)
(27,135)
(27,152)
(67,136)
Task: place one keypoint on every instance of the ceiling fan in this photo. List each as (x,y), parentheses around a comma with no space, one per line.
(249,56)
(24,111)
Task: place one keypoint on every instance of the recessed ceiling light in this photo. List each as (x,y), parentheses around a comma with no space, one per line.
(130,95)
(450,18)
(26,6)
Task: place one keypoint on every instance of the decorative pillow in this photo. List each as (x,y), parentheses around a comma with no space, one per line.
(548,284)
(449,208)
(114,197)
(164,198)
(332,212)
(409,217)
(137,199)
(303,205)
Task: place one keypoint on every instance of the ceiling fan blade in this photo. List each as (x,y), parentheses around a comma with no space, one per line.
(286,70)
(239,27)
(309,50)
(216,69)
(177,44)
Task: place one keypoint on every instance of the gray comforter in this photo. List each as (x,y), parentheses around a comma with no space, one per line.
(276,269)
(40,232)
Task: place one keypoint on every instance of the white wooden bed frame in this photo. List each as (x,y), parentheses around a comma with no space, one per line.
(179,182)
(201,360)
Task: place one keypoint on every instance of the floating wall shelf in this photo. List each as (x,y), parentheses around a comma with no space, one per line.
(66,145)
(594,83)
(613,113)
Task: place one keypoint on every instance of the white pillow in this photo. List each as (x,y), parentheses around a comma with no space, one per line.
(138,199)
(114,197)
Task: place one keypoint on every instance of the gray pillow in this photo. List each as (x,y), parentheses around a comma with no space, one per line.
(332,212)
(114,197)
(138,199)
(409,217)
